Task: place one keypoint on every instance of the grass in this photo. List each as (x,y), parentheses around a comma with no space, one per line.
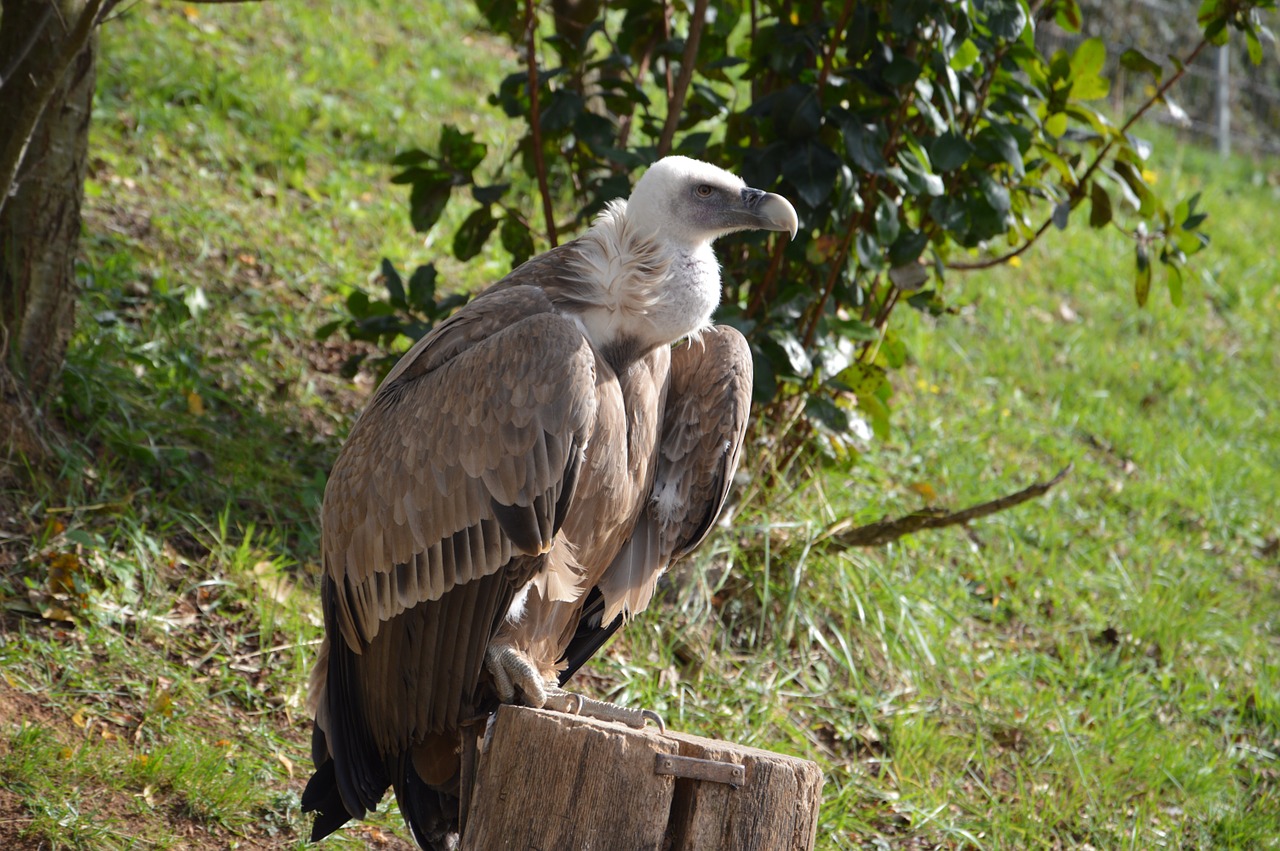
(1094,669)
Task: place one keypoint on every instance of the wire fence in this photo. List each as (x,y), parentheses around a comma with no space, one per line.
(1223,100)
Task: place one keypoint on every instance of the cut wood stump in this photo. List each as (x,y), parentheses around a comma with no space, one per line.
(546,781)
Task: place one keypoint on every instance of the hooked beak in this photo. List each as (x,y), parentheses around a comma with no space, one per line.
(770,212)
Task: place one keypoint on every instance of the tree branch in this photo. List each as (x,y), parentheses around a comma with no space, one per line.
(1077,192)
(688,59)
(828,55)
(844,534)
(535,121)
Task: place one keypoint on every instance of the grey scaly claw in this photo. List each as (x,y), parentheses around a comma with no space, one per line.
(576,704)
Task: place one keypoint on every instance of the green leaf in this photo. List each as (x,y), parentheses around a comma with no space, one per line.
(1090,87)
(878,413)
(1061,214)
(850,329)
(358,304)
(950,151)
(1132,177)
(516,239)
(1090,58)
(326,330)
(459,150)
(812,168)
(422,286)
(1067,15)
(1210,10)
(797,357)
(920,177)
(862,379)
(869,254)
(1099,206)
(1135,60)
(394,284)
(489,194)
(1005,18)
(965,55)
(863,144)
(1255,46)
(995,193)
(559,112)
(1056,124)
(474,232)
(996,143)
(900,72)
(949,213)
(1142,275)
(413,156)
(908,247)
(886,216)
(1216,33)
(427,200)
(825,413)
(1086,69)
(1173,278)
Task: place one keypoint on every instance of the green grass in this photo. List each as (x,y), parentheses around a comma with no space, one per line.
(1100,667)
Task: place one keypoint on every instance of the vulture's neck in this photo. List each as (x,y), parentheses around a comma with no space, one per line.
(641,289)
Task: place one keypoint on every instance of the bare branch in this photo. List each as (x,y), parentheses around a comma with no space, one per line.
(535,120)
(844,534)
(688,59)
(829,54)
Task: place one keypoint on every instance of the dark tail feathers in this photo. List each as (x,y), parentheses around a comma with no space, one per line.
(432,813)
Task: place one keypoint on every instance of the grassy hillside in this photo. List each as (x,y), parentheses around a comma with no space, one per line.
(1100,668)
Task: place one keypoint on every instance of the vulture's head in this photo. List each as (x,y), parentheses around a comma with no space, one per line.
(691,203)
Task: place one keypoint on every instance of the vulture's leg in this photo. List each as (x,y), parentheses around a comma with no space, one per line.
(513,672)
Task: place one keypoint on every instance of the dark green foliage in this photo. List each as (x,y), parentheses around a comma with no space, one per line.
(408,312)
(915,139)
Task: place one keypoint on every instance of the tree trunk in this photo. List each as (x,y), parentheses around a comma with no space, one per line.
(40,220)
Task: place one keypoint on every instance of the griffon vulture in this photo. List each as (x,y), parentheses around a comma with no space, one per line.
(517,485)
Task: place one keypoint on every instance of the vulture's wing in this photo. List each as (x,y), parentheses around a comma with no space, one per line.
(454,479)
(460,460)
(708,401)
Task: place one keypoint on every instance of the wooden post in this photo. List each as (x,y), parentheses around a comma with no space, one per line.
(548,781)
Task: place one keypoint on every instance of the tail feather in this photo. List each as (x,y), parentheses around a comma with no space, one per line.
(323,798)
(430,811)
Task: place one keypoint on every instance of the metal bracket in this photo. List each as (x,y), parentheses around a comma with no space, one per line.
(701,769)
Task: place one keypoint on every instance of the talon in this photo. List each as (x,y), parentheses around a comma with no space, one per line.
(650,715)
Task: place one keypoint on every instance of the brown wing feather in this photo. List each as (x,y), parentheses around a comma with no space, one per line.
(439,507)
(704,422)
(449,472)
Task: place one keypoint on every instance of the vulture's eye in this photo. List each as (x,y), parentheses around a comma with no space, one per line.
(703,190)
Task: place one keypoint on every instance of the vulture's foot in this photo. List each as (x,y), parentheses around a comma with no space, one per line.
(571,703)
(515,674)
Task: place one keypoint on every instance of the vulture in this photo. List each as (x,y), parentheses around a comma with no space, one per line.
(517,485)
